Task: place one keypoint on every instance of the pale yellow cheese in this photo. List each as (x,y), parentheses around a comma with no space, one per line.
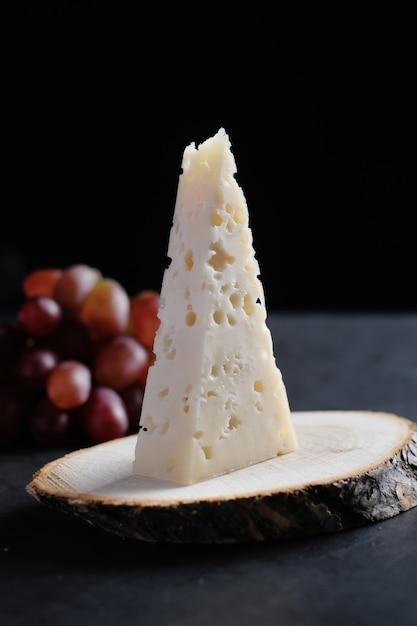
(214,400)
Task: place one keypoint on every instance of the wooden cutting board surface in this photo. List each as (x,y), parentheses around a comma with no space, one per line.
(351,468)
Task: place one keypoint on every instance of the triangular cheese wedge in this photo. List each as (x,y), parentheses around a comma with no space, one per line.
(214,400)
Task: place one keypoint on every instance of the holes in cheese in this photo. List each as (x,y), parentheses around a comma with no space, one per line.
(234,422)
(235,300)
(218,316)
(219,259)
(189,260)
(190,318)
(214,399)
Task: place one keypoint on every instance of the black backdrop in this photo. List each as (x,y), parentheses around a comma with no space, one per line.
(100,100)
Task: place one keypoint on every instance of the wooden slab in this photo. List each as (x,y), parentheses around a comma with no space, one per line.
(352,468)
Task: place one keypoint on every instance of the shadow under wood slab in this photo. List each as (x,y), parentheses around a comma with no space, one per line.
(352,468)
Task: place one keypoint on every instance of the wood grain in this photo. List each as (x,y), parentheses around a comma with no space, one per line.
(352,468)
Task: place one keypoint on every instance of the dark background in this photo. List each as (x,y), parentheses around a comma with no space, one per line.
(100,99)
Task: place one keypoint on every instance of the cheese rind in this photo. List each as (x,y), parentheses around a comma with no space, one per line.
(214,400)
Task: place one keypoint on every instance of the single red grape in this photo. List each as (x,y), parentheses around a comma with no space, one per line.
(34,365)
(39,316)
(104,416)
(40,282)
(68,384)
(144,316)
(120,362)
(106,309)
(74,284)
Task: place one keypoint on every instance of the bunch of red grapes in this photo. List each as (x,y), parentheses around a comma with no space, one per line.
(73,364)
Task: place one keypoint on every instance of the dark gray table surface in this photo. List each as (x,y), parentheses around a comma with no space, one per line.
(55,570)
